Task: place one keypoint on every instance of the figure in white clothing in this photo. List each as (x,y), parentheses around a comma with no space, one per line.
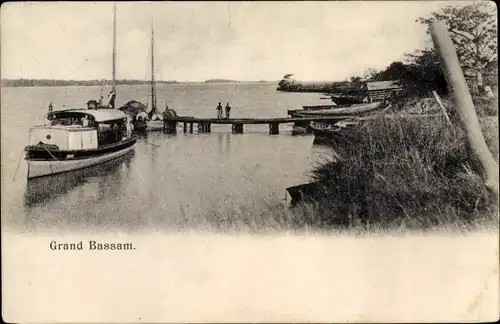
(111,99)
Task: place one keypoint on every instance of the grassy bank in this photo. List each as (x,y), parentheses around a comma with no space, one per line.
(412,173)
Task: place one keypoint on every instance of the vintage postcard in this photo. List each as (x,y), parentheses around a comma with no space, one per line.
(280,161)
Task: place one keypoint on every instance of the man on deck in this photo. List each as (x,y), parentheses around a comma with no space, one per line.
(228,110)
(111,99)
(219,110)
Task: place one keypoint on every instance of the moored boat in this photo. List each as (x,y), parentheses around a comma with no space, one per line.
(137,112)
(76,139)
(155,119)
(346,100)
(143,120)
(357,109)
(325,133)
(155,123)
(42,189)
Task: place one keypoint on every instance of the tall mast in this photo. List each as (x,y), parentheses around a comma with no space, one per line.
(114,54)
(153,90)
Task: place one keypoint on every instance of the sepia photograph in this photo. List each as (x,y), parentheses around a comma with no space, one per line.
(249,161)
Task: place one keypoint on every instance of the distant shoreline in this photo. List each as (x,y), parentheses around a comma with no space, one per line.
(11,83)
(66,83)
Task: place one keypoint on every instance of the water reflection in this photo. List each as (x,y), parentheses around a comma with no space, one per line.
(228,143)
(40,191)
(224,143)
(220,142)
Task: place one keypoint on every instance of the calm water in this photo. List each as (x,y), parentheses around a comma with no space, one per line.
(161,186)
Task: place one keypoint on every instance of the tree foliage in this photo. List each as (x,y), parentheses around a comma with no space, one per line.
(419,74)
(473,29)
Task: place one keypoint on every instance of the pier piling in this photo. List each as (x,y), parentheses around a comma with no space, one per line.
(237,128)
(185,127)
(274,129)
(171,127)
(191,128)
(204,127)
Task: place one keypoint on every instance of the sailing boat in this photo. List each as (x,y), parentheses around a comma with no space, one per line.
(74,139)
(142,120)
(155,122)
(138,111)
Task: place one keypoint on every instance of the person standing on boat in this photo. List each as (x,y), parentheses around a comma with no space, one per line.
(228,110)
(111,99)
(219,111)
(101,98)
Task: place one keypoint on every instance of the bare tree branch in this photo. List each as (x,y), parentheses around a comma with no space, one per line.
(460,33)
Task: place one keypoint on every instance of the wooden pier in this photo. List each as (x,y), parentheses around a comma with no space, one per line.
(204,124)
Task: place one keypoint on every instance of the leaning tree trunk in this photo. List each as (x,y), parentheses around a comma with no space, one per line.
(465,106)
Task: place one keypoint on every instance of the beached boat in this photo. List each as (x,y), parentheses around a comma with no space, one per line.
(306,192)
(331,133)
(323,107)
(358,109)
(73,139)
(346,100)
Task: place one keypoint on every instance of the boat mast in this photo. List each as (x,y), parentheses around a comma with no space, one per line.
(153,90)
(113,89)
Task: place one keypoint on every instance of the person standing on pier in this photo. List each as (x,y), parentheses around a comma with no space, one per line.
(228,110)
(219,111)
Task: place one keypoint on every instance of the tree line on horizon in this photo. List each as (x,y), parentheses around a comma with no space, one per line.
(60,83)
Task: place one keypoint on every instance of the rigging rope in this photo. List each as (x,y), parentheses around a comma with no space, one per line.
(18,164)
(50,164)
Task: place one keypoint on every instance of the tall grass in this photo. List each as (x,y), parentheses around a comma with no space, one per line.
(414,173)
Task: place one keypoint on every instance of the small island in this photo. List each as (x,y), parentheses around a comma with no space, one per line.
(221,81)
(239,81)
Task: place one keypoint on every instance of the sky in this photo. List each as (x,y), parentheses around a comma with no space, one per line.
(196,41)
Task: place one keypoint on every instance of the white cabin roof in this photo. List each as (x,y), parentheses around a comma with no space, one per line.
(100,115)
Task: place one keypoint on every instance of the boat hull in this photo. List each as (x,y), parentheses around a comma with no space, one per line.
(332,134)
(345,111)
(140,126)
(40,168)
(155,125)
